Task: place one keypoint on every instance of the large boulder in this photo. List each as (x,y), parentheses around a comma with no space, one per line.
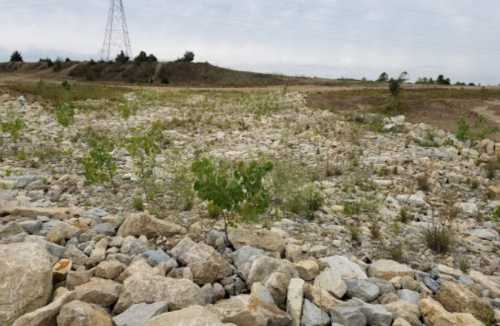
(344,268)
(249,310)
(47,314)
(244,257)
(192,316)
(264,266)
(313,316)
(178,293)
(25,279)
(78,313)
(206,264)
(331,282)
(435,315)
(258,238)
(295,299)
(388,269)
(145,224)
(456,298)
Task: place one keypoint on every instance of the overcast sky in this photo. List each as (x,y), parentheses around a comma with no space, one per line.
(331,38)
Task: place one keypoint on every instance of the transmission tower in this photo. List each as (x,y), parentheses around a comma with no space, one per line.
(116,36)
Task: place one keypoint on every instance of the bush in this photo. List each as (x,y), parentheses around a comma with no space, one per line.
(463,130)
(16,57)
(383,78)
(304,202)
(234,189)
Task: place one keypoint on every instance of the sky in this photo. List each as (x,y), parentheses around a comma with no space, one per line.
(324,38)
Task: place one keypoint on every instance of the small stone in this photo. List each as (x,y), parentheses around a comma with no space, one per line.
(307,269)
(139,314)
(109,269)
(61,269)
(156,257)
(376,315)
(409,296)
(388,269)
(348,316)
(99,291)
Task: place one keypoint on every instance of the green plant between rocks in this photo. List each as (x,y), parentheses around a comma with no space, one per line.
(236,189)
(65,114)
(99,165)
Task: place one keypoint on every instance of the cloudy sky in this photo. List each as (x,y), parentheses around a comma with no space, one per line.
(331,38)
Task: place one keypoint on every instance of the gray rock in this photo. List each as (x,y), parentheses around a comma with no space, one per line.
(244,257)
(9,230)
(139,314)
(31,227)
(345,268)
(205,262)
(362,289)
(332,282)
(484,233)
(409,296)
(348,315)
(96,214)
(134,246)
(295,299)
(155,257)
(377,315)
(105,228)
(314,316)
(383,285)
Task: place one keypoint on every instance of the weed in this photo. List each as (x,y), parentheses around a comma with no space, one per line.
(439,238)
(305,201)
(463,130)
(65,114)
(181,187)
(396,253)
(375,230)
(496,214)
(138,203)
(355,233)
(464,264)
(213,210)
(404,215)
(352,208)
(13,127)
(423,183)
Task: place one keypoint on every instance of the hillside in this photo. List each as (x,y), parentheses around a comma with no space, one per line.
(166,73)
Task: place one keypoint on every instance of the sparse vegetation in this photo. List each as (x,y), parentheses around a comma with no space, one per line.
(65,114)
(99,165)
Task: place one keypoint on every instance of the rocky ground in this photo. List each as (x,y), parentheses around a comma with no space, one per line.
(405,231)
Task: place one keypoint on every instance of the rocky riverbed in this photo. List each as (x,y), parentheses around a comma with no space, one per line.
(406,232)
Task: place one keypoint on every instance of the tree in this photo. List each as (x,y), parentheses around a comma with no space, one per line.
(141,57)
(441,80)
(232,189)
(188,57)
(384,77)
(152,58)
(122,58)
(16,57)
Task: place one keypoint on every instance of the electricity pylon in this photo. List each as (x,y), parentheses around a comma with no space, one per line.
(116,36)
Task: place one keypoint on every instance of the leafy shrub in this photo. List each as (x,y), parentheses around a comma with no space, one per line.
(16,57)
(144,57)
(65,114)
(234,189)
(99,165)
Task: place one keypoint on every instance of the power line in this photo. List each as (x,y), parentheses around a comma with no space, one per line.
(116,37)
